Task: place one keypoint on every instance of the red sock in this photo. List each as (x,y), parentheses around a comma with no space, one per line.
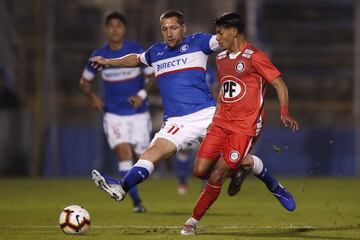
(207,198)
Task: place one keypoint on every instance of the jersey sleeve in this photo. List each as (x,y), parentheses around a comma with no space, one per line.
(263,65)
(147,70)
(90,72)
(145,57)
(208,42)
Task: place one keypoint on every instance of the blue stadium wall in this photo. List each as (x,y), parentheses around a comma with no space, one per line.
(309,152)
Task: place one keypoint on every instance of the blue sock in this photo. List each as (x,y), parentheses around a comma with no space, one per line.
(270,182)
(137,174)
(182,169)
(133,192)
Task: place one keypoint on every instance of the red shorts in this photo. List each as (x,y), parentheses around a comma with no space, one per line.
(233,147)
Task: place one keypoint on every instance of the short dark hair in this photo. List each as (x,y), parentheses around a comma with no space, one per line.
(174,13)
(231,20)
(115,15)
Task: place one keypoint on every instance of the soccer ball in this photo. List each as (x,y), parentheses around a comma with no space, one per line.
(74,220)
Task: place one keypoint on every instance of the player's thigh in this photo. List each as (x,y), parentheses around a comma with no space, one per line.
(210,151)
(140,133)
(237,146)
(117,129)
(203,167)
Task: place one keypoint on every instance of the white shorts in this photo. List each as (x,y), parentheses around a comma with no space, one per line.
(133,129)
(186,130)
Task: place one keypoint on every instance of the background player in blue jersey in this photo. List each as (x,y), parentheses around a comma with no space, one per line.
(180,68)
(127,122)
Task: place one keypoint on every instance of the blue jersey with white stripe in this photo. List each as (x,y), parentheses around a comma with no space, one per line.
(119,82)
(181,73)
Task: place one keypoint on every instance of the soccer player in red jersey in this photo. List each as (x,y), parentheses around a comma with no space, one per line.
(243,72)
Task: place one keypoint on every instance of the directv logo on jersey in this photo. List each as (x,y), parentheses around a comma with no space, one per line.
(174,63)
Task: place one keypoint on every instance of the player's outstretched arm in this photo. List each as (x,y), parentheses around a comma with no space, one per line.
(130,60)
(283,97)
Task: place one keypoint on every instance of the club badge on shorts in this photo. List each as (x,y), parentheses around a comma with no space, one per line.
(234,156)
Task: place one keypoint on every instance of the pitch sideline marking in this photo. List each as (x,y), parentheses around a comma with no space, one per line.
(173,227)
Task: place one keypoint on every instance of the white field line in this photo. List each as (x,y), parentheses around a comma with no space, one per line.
(168,227)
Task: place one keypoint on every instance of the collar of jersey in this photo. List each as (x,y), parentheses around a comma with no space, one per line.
(239,53)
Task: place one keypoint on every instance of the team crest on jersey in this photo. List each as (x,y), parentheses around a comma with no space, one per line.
(184,48)
(233,89)
(234,156)
(240,66)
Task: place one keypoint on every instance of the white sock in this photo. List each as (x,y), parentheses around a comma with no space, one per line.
(125,165)
(258,165)
(148,165)
(192,221)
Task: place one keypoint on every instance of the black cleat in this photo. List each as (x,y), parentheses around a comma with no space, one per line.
(237,179)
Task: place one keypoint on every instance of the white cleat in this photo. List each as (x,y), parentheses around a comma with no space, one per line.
(188,230)
(182,189)
(110,185)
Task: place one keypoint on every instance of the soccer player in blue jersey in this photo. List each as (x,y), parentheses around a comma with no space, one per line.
(126,119)
(179,64)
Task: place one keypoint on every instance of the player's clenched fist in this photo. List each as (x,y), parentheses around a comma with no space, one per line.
(135,101)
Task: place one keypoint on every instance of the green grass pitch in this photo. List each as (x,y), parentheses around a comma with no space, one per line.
(328,208)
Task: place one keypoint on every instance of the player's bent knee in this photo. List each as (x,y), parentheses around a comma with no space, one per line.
(200,174)
(202,168)
(123,151)
(248,161)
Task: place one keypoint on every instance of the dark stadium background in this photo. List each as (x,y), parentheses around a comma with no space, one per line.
(48,129)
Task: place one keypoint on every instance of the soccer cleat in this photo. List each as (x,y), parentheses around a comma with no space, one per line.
(284,197)
(110,185)
(139,208)
(237,179)
(188,230)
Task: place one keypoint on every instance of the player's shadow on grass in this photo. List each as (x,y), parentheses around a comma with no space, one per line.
(295,233)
